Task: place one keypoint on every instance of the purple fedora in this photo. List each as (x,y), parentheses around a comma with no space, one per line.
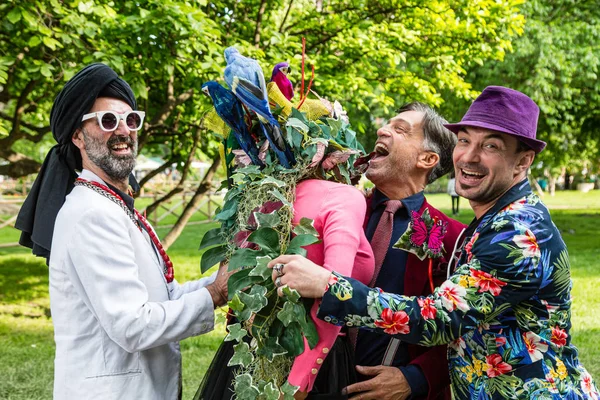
(504,110)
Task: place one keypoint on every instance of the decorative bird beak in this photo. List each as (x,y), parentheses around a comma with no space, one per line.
(285,70)
(205,90)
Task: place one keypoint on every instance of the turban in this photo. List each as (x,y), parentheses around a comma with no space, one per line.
(58,172)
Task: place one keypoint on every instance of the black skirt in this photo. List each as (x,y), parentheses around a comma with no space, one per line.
(336,373)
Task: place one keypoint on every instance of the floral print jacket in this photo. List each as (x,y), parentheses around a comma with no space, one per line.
(505,312)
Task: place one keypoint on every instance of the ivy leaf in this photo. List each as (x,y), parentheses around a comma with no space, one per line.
(296,123)
(291,312)
(212,256)
(288,390)
(253,302)
(235,303)
(243,258)
(211,238)
(306,226)
(299,241)
(277,194)
(270,348)
(235,333)
(241,355)
(241,280)
(292,339)
(309,330)
(267,220)
(267,239)
(270,392)
(244,389)
(291,294)
(261,269)
(229,209)
(269,180)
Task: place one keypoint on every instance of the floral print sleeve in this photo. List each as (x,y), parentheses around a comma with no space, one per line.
(505,312)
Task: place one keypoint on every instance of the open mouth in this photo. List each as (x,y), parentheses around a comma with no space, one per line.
(471,176)
(121,148)
(380,151)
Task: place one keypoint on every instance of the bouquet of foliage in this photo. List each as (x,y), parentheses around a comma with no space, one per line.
(256,227)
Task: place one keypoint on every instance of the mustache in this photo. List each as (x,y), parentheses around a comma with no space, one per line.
(473,167)
(115,139)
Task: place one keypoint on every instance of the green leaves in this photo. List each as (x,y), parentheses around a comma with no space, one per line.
(271,348)
(235,333)
(253,302)
(212,256)
(241,355)
(267,239)
(261,269)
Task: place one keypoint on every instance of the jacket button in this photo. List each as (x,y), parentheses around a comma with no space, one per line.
(325,350)
(314,371)
(319,361)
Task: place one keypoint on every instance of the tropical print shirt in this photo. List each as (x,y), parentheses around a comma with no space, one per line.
(505,312)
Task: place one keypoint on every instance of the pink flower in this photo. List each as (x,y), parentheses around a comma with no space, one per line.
(458,345)
(587,385)
(469,246)
(496,366)
(393,322)
(535,347)
(428,311)
(452,296)
(486,282)
(500,341)
(559,336)
(528,243)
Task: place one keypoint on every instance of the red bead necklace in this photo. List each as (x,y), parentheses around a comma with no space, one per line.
(112,195)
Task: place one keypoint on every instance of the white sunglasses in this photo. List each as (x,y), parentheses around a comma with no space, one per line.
(109,120)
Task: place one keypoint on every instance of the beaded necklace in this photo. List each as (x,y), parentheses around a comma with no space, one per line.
(135,216)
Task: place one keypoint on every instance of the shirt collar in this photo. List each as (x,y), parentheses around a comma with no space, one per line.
(513,194)
(90,176)
(411,203)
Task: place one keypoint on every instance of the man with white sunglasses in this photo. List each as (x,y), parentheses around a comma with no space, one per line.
(117,310)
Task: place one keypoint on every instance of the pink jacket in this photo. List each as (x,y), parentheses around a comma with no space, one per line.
(338,212)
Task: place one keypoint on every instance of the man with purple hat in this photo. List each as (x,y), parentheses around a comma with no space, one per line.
(506,310)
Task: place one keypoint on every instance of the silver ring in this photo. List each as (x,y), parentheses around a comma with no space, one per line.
(279,269)
(278,282)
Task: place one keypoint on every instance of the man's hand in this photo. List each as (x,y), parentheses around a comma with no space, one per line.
(388,383)
(299,273)
(218,289)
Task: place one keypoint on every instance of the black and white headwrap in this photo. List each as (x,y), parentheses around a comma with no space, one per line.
(55,179)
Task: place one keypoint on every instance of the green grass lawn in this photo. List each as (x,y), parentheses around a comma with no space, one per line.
(27,346)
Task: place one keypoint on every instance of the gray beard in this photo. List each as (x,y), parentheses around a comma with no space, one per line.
(116,167)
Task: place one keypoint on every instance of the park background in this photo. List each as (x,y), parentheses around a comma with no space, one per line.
(372,56)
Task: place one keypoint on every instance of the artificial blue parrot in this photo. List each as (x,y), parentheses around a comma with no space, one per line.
(251,96)
(244,67)
(230,110)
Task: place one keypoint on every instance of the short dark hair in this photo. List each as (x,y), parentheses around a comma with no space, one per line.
(522,146)
(436,138)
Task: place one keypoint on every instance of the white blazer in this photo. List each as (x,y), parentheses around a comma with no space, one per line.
(116,320)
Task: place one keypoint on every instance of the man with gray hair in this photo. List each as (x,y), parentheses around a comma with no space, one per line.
(413,149)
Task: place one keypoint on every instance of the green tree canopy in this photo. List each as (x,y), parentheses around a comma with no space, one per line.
(369,55)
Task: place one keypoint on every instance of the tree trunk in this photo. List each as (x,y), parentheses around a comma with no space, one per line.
(536,185)
(567,180)
(259,17)
(552,185)
(189,210)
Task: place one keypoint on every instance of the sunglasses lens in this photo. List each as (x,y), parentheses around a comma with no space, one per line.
(134,121)
(109,121)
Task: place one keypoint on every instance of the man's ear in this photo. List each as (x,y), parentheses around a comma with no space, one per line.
(77,139)
(428,160)
(524,161)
